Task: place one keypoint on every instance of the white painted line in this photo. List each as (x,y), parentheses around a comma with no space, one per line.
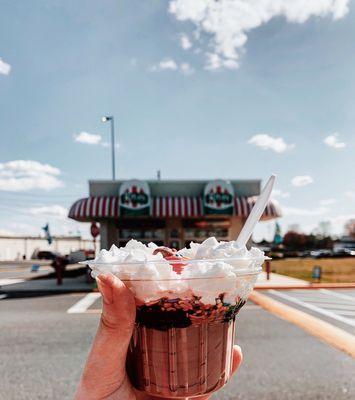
(339,295)
(346,312)
(330,303)
(5,282)
(335,307)
(83,304)
(3,296)
(328,300)
(313,308)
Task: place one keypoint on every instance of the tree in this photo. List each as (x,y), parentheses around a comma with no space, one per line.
(350,228)
(294,240)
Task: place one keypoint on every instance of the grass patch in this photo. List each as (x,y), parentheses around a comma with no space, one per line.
(340,270)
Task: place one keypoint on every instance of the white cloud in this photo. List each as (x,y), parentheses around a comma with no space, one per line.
(225,24)
(88,138)
(302,180)
(5,68)
(21,175)
(169,64)
(185,42)
(327,202)
(267,142)
(58,226)
(166,64)
(333,141)
(304,212)
(56,211)
(278,193)
(214,62)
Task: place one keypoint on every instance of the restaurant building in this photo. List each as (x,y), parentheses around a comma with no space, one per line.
(170,212)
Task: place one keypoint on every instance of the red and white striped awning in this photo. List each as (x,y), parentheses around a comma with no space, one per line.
(177,207)
(244,205)
(97,207)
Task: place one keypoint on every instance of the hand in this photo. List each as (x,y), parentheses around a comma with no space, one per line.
(104,376)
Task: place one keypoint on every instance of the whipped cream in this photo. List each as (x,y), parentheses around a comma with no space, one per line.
(210,269)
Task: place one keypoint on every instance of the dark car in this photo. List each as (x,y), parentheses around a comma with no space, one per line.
(46,255)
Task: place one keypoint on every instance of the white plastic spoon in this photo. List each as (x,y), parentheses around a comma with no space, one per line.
(256,213)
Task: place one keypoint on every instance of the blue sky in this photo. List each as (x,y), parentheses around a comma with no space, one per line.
(199,89)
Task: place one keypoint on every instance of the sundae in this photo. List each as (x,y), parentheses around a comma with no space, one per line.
(186,302)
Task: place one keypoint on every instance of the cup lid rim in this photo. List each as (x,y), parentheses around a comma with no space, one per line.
(175,262)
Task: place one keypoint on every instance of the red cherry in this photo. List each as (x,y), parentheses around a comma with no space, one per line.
(177,267)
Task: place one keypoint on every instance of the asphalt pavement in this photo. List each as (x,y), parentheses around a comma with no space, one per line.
(43,350)
(336,307)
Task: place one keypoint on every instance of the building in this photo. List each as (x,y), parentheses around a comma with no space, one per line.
(16,247)
(171,213)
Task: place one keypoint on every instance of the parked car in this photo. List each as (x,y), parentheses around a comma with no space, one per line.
(306,253)
(343,252)
(46,255)
(80,255)
(323,253)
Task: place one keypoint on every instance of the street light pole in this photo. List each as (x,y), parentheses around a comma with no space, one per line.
(111,119)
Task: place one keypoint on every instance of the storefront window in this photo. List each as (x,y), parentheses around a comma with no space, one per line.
(174,244)
(140,234)
(201,234)
(174,233)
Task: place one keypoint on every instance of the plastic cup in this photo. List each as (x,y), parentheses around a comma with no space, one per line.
(182,344)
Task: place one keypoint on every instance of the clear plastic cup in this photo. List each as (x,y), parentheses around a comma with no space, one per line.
(184,333)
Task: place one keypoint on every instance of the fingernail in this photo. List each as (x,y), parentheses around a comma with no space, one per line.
(104,284)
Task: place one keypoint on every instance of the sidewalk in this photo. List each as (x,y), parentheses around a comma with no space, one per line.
(278,281)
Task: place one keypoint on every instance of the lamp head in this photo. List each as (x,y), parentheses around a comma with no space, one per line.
(106,118)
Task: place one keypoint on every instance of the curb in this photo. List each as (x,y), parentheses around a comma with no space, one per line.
(330,334)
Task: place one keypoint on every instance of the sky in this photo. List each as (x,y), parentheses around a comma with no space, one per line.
(199,89)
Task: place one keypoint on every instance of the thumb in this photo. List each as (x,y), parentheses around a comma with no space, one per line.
(237,358)
(118,308)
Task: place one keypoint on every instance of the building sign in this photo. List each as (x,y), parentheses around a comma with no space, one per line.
(218,197)
(134,198)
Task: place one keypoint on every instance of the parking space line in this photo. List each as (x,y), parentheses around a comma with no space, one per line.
(346,312)
(312,307)
(339,295)
(83,304)
(329,306)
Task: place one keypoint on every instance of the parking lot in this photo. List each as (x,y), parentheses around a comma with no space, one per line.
(43,348)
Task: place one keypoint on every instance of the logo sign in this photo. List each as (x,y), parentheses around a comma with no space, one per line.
(95,230)
(134,197)
(218,197)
